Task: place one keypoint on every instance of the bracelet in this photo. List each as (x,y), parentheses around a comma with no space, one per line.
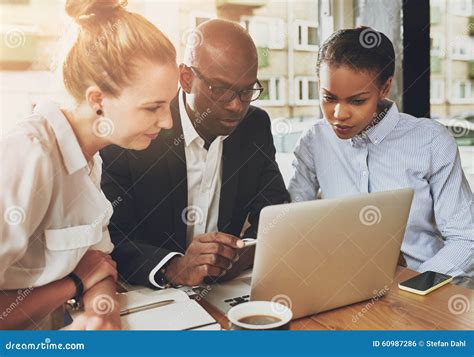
(79,286)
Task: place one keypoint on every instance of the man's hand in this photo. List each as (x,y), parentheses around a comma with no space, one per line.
(94,267)
(210,254)
(246,259)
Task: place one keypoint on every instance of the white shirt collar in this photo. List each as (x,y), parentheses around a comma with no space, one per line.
(189,132)
(73,157)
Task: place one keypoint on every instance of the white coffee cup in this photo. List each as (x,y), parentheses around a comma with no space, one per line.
(266,309)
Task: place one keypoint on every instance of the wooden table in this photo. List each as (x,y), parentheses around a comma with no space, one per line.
(449,308)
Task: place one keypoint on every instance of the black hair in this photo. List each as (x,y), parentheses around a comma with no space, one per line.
(362,49)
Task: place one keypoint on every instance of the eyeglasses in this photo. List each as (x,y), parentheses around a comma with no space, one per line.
(225,94)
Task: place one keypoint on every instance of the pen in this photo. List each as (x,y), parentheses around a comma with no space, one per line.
(124,312)
(249,242)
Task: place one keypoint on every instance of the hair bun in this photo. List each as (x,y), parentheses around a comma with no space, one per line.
(82,9)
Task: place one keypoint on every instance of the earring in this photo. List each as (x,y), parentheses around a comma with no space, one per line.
(99,112)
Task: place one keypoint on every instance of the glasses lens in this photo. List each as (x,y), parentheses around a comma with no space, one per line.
(250,95)
(223,94)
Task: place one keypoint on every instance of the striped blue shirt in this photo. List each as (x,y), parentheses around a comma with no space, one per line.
(400,151)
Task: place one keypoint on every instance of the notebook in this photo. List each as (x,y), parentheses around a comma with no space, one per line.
(182,314)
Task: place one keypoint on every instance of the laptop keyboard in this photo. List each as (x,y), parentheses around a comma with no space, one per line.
(237,300)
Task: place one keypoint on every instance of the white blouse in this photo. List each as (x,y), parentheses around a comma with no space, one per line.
(52,210)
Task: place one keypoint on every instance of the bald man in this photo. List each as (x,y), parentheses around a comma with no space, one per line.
(183,202)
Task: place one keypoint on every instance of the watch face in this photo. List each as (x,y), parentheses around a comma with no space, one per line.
(160,278)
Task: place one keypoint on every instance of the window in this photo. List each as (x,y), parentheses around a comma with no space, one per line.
(437,91)
(462,91)
(199,20)
(306,91)
(266,31)
(437,45)
(436,10)
(196,18)
(461,7)
(273,89)
(306,35)
(462,48)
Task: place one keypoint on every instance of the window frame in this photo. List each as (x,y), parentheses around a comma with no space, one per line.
(465,42)
(304,24)
(456,9)
(455,99)
(272,89)
(441,50)
(441,99)
(305,100)
(276,30)
(193,15)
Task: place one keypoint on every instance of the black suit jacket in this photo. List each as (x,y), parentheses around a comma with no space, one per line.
(149,191)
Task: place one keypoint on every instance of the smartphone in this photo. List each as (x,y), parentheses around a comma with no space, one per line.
(425,283)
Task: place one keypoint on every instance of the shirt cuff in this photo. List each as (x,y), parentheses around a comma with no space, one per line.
(161,264)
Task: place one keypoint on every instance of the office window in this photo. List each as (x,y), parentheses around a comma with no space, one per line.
(266,31)
(272,92)
(436,9)
(436,91)
(462,90)
(196,18)
(461,7)
(306,35)
(437,45)
(306,90)
(462,48)
(199,20)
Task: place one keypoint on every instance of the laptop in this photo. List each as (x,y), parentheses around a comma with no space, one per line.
(318,255)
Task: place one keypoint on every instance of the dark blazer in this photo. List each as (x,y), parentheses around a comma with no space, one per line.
(149,191)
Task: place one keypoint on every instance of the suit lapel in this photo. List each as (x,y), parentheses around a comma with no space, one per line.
(176,160)
(230,179)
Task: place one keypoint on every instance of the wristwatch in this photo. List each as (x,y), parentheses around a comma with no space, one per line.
(74,303)
(161,279)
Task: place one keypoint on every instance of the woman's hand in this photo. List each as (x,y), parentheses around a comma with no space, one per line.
(94,267)
(101,301)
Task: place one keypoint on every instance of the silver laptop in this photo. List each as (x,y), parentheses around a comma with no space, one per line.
(319,255)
